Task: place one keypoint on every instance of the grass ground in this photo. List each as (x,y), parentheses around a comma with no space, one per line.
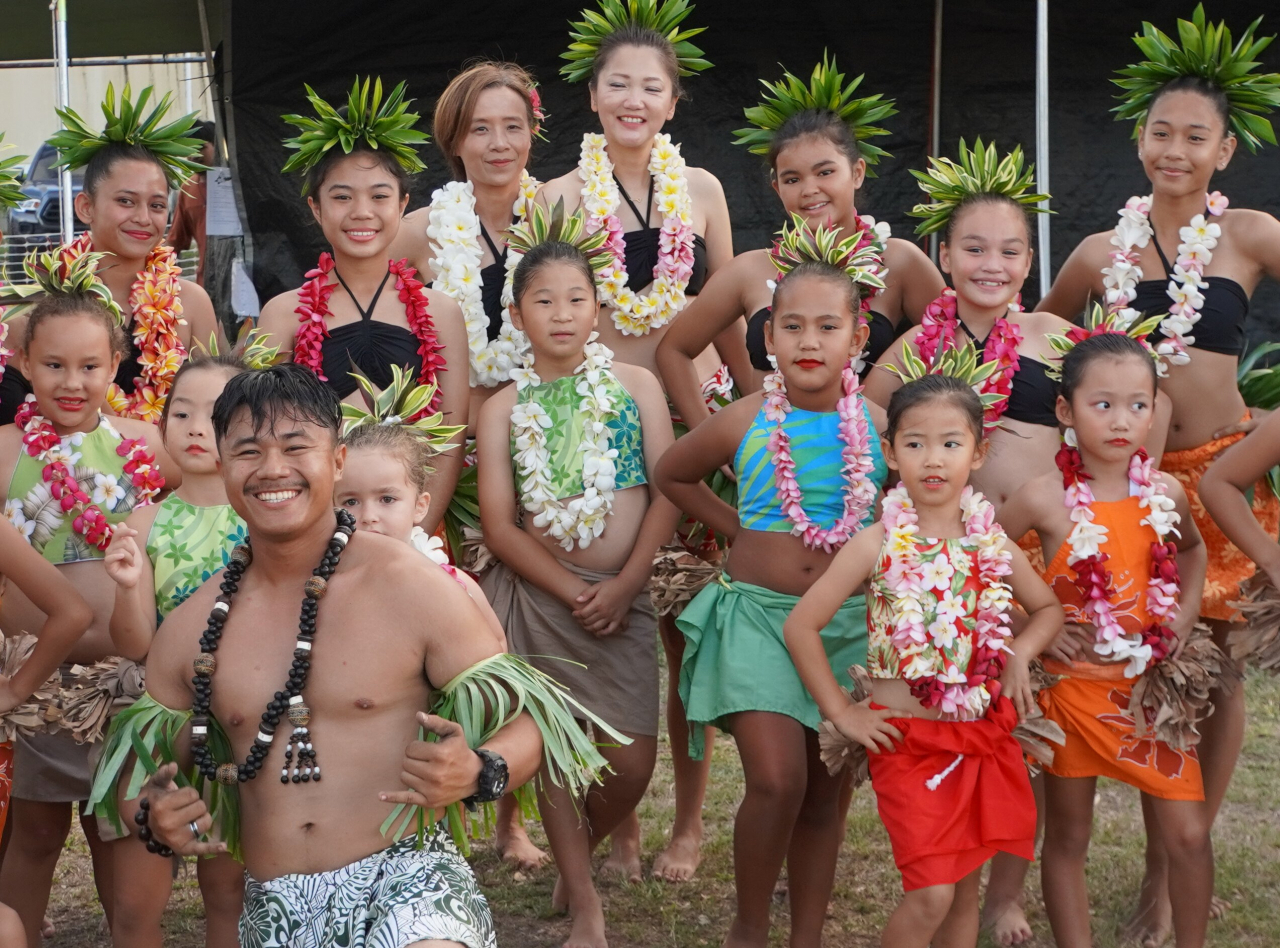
(658,915)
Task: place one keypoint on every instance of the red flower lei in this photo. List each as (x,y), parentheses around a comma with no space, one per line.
(39,439)
(313,310)
(156,305)
(938,334)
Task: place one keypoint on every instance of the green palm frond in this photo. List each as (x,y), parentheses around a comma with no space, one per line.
(403,402)
(858,255)
(379,124)
(541,226)
(1205,50)
(55,273)
(172,146)
(826,90)
(1098,321)
(662,16)
(963,363)
(10,190)
(980,171)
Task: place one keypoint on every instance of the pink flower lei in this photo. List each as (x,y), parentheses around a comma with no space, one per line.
(938,335)
(313,311)
(41,441)
(859,490)
(961,694)
(1154,643)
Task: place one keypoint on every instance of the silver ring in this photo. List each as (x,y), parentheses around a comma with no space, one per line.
(195,830)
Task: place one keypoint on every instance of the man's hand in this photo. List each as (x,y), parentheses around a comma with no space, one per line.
(868,726)
(440,772)
(603,608)
(173,810)
(123,559)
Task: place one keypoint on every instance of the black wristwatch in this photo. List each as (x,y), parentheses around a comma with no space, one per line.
(493,779)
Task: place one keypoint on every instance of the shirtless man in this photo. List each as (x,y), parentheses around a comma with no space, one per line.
(391,626)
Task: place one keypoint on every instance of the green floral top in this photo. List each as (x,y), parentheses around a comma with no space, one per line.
(187,545)
(560,401)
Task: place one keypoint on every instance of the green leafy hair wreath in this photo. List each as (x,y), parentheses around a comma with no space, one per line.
(1205,50)
(55,273)
(1099,322)
(858,254)
(662,16)
(541,226)
(981,171)
(10,190)
(404,402)
(380,124)
(826,90)
(963,363)
(173,147)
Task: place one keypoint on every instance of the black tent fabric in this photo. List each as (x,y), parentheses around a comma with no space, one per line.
(987,88)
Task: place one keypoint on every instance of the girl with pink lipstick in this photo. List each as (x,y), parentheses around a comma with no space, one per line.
(360,310)
(129,170)
(809,470)
(1180,251)
(157,558)
(72,475)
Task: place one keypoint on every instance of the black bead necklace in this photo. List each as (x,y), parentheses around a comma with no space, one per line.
(287,702)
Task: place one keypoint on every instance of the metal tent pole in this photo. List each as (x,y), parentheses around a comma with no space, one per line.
(62,59)
(1042,137)
(935,105)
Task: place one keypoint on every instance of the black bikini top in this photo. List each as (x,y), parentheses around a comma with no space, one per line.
(883,332)
(130,367)
(1220,327)
(642,250)
(492,279)
(371,346)
(1033,395)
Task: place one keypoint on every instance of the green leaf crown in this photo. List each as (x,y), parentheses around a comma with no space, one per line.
(1097,322)
(981,171)
(255,349)
(963,363)
(857,255)
(541,226)
(381,124)
(173,147)
(825,91)
(1205,50)
(662,16)
(54,273)
(404,402)
(10,190)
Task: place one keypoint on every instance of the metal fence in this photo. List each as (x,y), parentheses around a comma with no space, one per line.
(15,247)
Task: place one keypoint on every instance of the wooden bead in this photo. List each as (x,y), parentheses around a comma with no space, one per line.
(315,587)
(242,554)
(204,665)
(299,715)
(228,774)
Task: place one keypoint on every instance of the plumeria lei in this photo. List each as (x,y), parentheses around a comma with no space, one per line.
(938,334)
(960,693)
(454,228)
(1121,279)
(155,301)
(1088,560)
(313,312)
(582,519)
(635,314)
(41,441)
(859,489)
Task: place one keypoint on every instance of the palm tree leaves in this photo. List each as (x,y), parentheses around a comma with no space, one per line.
(56,273)
(799,243)
(662,16)
(981,171)
(131,124)
(10,190)
(825,91)
(541,226)
(1205,50)
(403,402)
(380,124)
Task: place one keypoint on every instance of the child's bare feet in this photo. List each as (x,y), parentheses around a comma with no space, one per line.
(588,925)
(680,860)
(623,861)
(46,928)
(1152,922)
(1007,923)
(517,849)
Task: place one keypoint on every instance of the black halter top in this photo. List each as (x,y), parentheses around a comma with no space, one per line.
(368,345)
(1033,395)
(642,249)
(1220,327)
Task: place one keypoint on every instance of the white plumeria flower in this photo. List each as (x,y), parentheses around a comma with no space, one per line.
(428,545)
(937,573)
(951,608)
(107,489)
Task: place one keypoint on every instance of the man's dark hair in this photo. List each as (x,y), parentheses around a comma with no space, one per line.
(287,390)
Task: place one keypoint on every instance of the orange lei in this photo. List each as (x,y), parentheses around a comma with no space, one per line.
(154,301)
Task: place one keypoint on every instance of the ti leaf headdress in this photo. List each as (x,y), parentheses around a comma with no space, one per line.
(662,16)
(858,255)
(1205,50)
(52,273)
(963,363)
(10,191)
(404,402)
(171,144)
(541,226)
(980,171)
(825,91)
(1099,322)
(255,352)
(380,124)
